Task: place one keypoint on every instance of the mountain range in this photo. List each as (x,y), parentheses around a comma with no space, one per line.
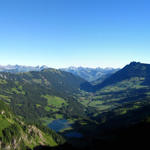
(107,110)
(91,74)
(19,68)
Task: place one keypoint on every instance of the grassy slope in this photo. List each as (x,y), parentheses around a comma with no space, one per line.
(38,95)
(116,95)
(128,85)
(14,133)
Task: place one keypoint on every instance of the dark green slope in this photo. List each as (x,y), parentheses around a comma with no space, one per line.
(131,137)
(122,100)
(129,86)
(57,81)
(134,69)
(45,94)
(129,129)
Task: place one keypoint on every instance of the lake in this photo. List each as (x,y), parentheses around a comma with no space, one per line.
(61,124)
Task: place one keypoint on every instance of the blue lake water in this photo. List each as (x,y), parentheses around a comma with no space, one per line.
(61,124)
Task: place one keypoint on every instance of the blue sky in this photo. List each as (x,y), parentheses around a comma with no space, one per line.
(61,33)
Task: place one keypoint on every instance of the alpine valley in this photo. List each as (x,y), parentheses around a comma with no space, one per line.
(74,108)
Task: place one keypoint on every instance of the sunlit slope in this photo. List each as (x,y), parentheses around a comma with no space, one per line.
(132,70)
(45,94)
(16,134)
(129,85)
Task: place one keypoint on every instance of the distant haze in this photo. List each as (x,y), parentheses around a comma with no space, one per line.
(89,74)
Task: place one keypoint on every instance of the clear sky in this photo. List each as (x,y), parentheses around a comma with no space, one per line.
(61,33)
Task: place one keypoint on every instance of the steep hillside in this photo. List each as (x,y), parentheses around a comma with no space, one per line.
(129,85)
(49,93)
(133,70)
(57,81)
(122,102)
(17,135)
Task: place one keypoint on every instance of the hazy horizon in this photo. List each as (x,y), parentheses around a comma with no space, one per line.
(1,65)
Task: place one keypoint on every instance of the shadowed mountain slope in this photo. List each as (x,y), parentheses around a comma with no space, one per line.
(134,69)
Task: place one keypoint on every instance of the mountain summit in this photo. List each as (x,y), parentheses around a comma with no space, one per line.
(134,69)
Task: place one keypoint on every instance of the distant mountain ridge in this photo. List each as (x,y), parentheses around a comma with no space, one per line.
(90,74)
(20,68)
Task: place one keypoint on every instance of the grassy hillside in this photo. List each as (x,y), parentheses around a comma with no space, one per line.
(134,69)
(16,134)
(41,96)
(121,99)
(130,84)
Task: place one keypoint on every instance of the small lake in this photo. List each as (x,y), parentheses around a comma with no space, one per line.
(60,124)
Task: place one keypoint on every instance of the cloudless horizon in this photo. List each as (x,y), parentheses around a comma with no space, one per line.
(63,33)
